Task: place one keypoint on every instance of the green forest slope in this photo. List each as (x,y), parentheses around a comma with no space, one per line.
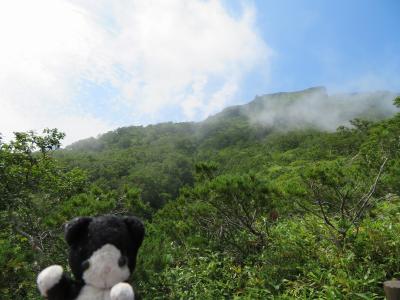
(291,196)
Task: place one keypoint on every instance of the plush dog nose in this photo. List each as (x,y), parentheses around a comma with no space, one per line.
(122,261)
(85,265)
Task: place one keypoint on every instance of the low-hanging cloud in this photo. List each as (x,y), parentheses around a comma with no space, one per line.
(316,108)
(186,56)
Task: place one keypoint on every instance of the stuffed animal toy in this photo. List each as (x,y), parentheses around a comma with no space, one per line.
(102,255)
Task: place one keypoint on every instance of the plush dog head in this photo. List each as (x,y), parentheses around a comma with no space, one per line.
(103,249)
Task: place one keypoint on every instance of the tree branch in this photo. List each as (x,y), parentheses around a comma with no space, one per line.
(365,199)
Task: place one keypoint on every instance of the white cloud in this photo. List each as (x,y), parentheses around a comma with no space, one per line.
(316,108)
(188,56)
(46,48)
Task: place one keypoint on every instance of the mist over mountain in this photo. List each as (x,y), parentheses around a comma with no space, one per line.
(314,107)
(311,108)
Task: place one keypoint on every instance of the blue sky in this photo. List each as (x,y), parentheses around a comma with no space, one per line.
(344,45)
(89,66)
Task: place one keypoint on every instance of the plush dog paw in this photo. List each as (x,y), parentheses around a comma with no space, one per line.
(122,291)
(48,278)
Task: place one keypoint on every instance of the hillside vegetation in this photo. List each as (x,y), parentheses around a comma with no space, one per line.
(291,196)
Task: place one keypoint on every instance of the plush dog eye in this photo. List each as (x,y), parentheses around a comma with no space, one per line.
(85,265)
(122,261)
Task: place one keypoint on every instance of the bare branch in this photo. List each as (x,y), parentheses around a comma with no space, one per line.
(33,241)
(365,199)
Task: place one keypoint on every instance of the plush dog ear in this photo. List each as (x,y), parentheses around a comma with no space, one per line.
(76,228)
(136,229)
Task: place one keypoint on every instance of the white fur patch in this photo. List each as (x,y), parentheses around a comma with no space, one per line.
(104,271)
(48,278)
(122,291)
(89,292)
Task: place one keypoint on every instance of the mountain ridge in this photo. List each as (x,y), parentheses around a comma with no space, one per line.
(285,111)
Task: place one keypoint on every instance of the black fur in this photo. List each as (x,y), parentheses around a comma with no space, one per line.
(65,289)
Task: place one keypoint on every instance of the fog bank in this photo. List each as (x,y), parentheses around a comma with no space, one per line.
(316,108)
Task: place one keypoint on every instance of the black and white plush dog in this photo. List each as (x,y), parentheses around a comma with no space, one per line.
(102,255)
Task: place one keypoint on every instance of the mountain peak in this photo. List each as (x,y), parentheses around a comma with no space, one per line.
(321,90)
